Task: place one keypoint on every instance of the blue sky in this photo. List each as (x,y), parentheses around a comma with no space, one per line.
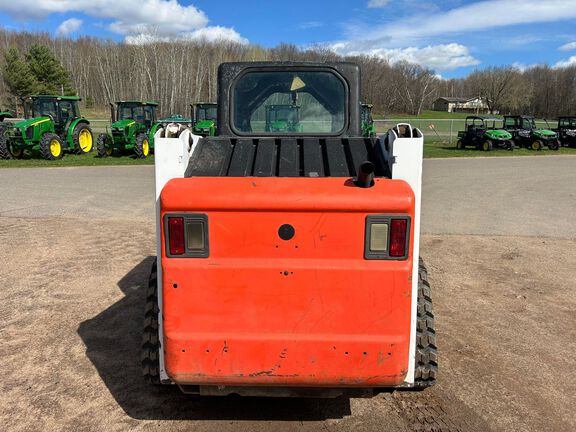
(452,36)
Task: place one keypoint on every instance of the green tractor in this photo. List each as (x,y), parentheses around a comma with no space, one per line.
(367,122)
(482,133)
(205,116)
(283,118)
(52,125)
(133,127)
(526,134)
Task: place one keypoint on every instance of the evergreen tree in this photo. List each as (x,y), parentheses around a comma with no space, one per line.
(17,74)
(50,75)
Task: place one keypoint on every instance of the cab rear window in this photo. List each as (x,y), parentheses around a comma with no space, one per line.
(289,103)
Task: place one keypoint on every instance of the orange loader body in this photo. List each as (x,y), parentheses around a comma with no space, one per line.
(309,311)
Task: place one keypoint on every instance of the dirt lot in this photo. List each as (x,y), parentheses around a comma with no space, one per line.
(72,284)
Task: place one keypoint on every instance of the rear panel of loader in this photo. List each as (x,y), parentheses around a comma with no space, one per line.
(308,310)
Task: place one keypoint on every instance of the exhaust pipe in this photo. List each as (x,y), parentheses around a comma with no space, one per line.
(365,178)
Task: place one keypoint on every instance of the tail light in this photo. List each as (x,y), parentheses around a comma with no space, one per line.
(386,237)
(176,235)
(186,235)
(398,237)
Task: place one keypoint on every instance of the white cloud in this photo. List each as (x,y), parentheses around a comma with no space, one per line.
(482,15)
(377,3)
(566,63)
(568,47)
(523,66)
(440,57)
(209,34)
(69,26)
(152,19)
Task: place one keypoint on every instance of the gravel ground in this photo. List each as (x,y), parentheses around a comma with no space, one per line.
(76,245)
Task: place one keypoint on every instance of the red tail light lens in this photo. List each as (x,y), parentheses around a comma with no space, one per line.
(176,240)
(398,237)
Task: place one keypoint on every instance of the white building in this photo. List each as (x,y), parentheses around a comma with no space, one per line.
(455,104)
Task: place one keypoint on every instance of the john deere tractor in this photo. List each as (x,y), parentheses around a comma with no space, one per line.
(482,133)
(52,126)
(368,126)
(283,118)
(205,116)
(526,134)
(132,130)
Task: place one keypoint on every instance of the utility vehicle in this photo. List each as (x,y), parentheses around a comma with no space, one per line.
(482,133)
(205,117)
(132,129)
(566,131)
(52,125)
(288,261)
(526,134)
(368,126)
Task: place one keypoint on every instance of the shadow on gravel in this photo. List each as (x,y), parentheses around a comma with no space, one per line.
(112,340)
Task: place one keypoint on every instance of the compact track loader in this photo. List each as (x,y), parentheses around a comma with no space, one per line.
(288,259)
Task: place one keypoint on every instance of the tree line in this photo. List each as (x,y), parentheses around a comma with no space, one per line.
(182,72)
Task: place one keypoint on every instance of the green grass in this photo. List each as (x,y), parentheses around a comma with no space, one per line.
(75,160)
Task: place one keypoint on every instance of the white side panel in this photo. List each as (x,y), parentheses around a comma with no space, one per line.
(171,156)
(408,153)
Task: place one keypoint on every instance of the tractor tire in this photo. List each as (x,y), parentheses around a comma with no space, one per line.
(554,145)
(536,145)
(150,339)
(83,139)
(459,145)
(6,150)
(103,146)
(51,147)
(142,147)
(487,145)
(426,368)
(510,145)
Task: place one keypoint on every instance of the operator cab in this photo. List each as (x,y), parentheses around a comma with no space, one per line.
(59,109)
(141,112)
(288,120)
(206,111)
(519,122)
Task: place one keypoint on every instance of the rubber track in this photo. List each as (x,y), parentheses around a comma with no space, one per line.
(150,341)
(426,368)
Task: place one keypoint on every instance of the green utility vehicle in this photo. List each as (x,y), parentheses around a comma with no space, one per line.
(566,131)
(368,126)
(132,130)
(52,125)
(205,116)
(526,134)
(283,118)
(482,133)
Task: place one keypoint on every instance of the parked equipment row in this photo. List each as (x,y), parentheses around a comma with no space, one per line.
(515,131)
(53,126)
